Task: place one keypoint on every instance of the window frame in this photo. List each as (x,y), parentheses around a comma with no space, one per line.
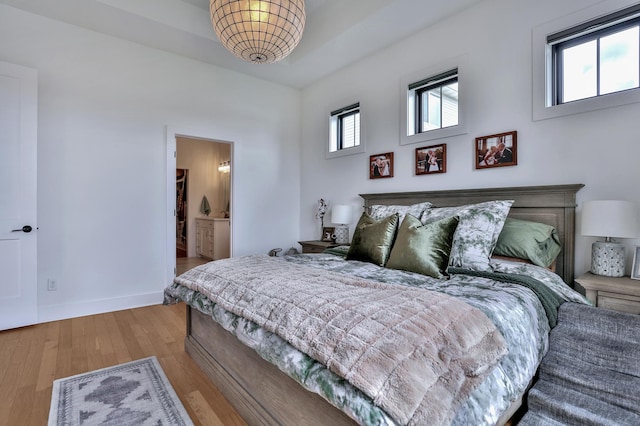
(438,76)
(545,37)
(348,111)
(435,82)
(575,37)
(334,136)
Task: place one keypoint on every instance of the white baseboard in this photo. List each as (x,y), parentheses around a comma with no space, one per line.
(72,310)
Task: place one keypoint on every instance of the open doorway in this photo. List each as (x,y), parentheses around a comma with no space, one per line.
(203,218)
(182,202)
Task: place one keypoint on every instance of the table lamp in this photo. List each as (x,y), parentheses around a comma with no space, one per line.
(341,216)
(609,219)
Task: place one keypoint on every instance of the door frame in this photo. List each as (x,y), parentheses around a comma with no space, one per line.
(171,133)
(25,303)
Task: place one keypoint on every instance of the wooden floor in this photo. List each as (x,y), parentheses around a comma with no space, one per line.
(185,263)
(32,357)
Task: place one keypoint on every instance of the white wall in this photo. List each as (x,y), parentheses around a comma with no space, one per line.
(104,104)
(599,149)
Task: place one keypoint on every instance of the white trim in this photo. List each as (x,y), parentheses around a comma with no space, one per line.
(170,261)
(92,307)
(542,72)
(459,62)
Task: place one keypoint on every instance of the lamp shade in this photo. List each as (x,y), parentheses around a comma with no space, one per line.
(341,214)
(610,218)
(258,31)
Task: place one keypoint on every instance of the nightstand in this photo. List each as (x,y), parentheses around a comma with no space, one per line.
(317,246)
(620,294)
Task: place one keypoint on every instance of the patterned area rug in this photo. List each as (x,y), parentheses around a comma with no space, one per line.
(135,393)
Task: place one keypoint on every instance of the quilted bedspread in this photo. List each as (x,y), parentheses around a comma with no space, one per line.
(514,309)
(416,353)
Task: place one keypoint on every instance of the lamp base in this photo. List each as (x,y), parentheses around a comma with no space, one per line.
(342,234)
(607,259)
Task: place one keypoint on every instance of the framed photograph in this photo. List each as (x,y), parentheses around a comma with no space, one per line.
(497,150)
(431,159)
(635,268)
(328,234)
(381,165)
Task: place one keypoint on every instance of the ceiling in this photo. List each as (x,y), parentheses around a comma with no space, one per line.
(337,32)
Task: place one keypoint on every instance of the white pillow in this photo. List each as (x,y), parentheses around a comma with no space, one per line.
(477,232)
(380,211)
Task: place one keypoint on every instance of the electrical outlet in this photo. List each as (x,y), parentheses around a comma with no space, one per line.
(52,285)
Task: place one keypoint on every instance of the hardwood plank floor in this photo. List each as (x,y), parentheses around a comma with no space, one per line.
(185,263)
(32,357)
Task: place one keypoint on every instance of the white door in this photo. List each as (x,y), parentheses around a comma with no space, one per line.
(18,161)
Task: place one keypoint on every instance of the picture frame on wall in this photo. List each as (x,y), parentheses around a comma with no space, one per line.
(497,150)
(431,159)
(328,234)
(381,165)
(635,268)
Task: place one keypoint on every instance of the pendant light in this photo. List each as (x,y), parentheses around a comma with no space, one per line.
(258,31)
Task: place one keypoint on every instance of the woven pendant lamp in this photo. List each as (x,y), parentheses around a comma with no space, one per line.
(258,31)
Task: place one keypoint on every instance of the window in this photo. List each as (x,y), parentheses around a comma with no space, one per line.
(435,105)
(344,131)
(347,127)
(596,58)
(588,60)
(436,102)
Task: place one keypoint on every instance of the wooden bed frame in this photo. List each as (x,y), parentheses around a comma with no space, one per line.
(263,395)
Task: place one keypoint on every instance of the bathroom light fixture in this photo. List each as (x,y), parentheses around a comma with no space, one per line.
(258,31)
(609,219)
(224,167)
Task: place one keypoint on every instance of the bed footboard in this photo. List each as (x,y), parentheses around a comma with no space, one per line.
(258,390)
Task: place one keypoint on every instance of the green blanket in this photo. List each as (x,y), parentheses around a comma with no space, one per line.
(549,299)
(338,251)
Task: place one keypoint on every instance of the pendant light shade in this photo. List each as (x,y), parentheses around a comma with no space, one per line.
(258,31)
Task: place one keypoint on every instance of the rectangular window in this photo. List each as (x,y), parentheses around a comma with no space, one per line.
(344,128)
(434,105)
(596,58)
(436,101)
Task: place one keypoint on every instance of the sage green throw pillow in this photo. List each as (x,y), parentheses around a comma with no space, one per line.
(423,249)
(372,239)
(537,242)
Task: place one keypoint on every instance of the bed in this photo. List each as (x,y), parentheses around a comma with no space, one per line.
(232,351)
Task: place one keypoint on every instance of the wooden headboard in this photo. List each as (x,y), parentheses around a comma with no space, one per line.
(554,205)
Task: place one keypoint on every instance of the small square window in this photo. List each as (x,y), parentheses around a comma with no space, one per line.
(434,105)
(436,102)
(345,131)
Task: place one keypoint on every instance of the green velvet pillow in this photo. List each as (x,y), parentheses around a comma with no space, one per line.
(423,248)
(372,239)
(537,242)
